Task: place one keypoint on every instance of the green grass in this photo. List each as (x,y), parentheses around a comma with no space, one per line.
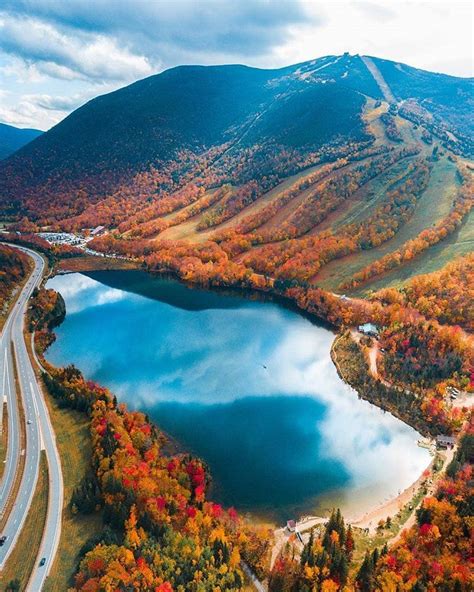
(3,438)
(458,244)
(433,205)
(371,195)
(75,449)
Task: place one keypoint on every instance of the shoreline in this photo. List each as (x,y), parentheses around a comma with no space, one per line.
(370,518)
(390,508)
(174,445)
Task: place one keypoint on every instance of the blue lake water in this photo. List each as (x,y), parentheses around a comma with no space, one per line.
(247,385)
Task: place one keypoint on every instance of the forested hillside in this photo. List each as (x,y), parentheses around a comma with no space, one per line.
(13,138)
(335,172)
(333,184)
(14,267)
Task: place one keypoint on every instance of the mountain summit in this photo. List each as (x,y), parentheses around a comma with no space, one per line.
(189,116)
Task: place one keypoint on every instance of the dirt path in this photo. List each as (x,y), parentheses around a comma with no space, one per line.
(283,535)
(373,355)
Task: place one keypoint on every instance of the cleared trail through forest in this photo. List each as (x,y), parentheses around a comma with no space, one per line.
(379,79)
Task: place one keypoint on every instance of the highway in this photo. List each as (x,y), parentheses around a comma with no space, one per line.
(39,436)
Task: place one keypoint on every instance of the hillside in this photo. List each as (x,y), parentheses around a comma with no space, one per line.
(174,120)
(326,172)
(13,138)
(331,185)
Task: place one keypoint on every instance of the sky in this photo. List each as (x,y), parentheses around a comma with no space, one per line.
(55,55)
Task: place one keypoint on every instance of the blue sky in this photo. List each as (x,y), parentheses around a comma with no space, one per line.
(57,54)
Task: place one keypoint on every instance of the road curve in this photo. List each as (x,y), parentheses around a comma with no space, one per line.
(39,436)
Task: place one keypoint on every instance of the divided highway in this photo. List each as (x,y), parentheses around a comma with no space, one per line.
(39,436)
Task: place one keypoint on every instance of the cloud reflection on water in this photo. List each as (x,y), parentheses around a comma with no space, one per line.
(209,366)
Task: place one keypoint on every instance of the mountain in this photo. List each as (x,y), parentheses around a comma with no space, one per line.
(13,138)
(187,110)
(235,122)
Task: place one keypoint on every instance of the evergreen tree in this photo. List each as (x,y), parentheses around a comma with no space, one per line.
(375,557)
(307,555)
(365,576)
(349,544)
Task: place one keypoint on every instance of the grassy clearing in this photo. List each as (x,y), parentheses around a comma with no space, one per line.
(92,263)
(366,199)
(458,244)
(23,557)
(172,215)
(432,206)
(371,116)
(3,439)
(188,229)
(74,445)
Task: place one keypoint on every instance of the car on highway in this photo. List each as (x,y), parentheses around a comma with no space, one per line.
(42,562)
(2,540)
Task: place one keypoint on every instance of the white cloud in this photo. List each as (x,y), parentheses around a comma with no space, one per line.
(81,291)
(435,36)
(69,55)
(69,48)
(24,113)
(217,356)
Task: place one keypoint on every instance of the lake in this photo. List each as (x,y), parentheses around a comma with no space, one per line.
(247,385)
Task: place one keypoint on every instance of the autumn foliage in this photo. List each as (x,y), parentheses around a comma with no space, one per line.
(14,267)
(324,562)
(446,295)
(461,207)
(168,535)
(436,553)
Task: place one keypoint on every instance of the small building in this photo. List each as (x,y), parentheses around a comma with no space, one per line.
(445,441)
(369,329)
(97,230)
(291,525)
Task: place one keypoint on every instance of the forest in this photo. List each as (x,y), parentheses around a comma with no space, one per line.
(162,532)
(307,183)
(14,268)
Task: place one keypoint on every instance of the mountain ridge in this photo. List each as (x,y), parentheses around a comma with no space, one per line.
(182,119)
(14,138)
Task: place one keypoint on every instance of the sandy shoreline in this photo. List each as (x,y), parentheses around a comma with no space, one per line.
(370,519)
(390,508)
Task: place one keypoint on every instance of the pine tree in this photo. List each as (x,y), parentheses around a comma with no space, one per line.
(349,545)
(375,557)
(365,575)
(307,555)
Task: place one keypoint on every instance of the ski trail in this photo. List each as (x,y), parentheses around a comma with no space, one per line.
(379,79)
